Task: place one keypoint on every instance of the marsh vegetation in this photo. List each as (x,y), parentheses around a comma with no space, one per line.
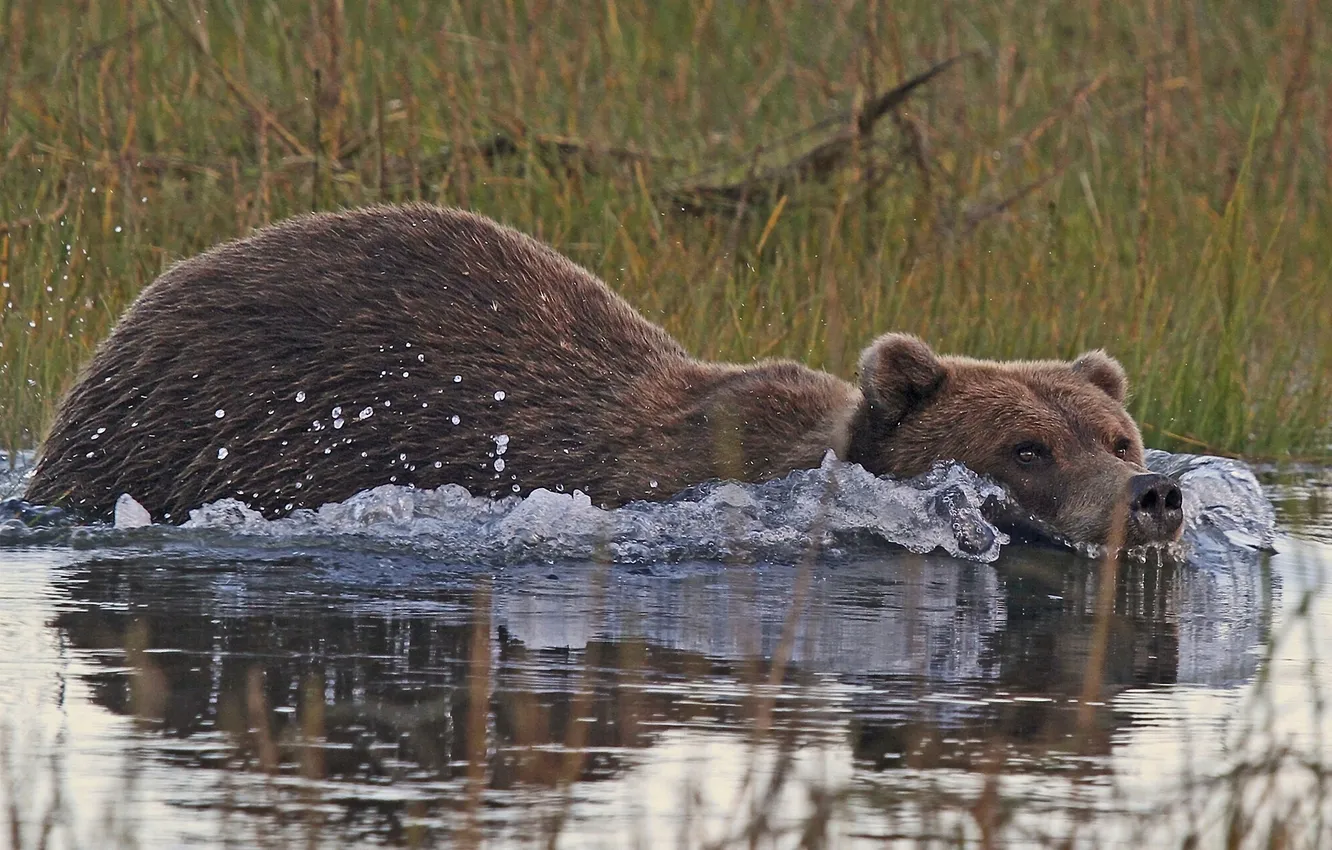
(1149,177)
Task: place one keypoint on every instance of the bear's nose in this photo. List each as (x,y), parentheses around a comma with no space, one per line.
(1157,502)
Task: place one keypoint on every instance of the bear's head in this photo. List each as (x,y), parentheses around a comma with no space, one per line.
(1055,433)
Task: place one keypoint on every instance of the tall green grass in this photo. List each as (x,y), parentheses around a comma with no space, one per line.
(1151,176)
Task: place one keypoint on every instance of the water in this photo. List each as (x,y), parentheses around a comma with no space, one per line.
(426,670)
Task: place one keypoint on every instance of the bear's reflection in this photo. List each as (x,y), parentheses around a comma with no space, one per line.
(563,672)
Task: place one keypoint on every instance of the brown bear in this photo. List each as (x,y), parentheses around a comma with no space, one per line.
(423,346)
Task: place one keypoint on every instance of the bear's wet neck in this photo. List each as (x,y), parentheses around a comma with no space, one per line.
(870,430)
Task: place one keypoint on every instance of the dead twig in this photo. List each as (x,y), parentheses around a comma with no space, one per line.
(974,214)
(563,149)
(95,50)
(818,163)
(160,166)
(46,218)
(1080,96)
(244,95)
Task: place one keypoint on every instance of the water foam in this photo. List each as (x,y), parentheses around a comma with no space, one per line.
(835,509)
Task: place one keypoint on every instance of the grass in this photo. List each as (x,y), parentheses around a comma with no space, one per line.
(1149,177)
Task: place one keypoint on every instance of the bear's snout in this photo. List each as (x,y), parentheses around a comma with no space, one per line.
(1156,508)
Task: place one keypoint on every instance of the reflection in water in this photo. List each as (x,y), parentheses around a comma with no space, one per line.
(432,701)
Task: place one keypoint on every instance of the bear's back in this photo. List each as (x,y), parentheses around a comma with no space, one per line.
(399,270)
(334,352)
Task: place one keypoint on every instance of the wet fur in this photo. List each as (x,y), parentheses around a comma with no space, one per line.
(381,308)
(343,307)
(922,407)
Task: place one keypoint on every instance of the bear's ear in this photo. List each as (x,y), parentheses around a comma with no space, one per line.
(1104,372)
(898,373)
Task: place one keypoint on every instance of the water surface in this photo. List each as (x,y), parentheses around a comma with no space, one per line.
(213,688)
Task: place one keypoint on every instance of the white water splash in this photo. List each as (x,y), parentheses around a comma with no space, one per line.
(131,514)
(835,509)
(1224,504)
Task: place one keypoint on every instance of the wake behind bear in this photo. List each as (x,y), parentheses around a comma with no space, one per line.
(423,346)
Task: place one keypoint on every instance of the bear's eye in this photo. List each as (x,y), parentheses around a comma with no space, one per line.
(1030,452)
(1122,446)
